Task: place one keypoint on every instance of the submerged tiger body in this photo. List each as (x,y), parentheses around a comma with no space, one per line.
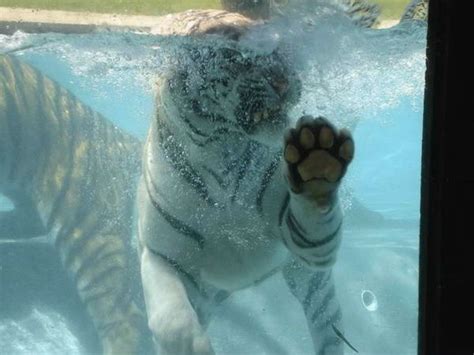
(226,198)
(70,175)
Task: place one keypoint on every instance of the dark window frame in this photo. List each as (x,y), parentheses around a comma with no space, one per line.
(447,193)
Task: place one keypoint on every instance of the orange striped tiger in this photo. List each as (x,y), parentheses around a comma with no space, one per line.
(70,174)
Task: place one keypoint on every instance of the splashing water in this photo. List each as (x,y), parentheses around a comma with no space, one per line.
(344,67)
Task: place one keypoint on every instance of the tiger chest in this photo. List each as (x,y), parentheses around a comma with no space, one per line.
(217,196)
(240,250)
(241,247)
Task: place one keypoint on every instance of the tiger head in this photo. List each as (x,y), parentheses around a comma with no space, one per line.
(233,86)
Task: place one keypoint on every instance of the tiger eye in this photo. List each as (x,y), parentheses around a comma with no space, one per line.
(280,85)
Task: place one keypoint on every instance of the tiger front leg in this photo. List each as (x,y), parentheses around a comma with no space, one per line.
(171,318)
(317,156)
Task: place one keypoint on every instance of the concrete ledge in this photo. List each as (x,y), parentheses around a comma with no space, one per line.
(34,21)
(10,27)
(72,17)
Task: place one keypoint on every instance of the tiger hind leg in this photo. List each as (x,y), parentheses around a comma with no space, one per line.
(126,335)
(99,264)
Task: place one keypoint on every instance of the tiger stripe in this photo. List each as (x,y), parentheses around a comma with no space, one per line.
(318,281)
(317,252)
(216,177)
(177,225)
(303,242)
(176,157)
(283,208)
(243,164)
(317,294)
(416,10)
(266,179)
(98,253)
(77,249)
(61,156)
(191,279)
(215,136)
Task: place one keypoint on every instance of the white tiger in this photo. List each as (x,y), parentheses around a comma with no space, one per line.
(226,199)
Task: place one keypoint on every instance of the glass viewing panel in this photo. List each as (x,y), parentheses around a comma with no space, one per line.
(239,222)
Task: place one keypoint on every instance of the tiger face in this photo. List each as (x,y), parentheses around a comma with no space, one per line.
(228,86)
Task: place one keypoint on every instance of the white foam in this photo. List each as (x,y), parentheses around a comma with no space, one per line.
(39,333)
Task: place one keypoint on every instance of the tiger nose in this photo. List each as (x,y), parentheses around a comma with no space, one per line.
(280,86)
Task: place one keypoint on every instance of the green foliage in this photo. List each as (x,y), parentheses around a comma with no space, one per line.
(142,7)
(391,9)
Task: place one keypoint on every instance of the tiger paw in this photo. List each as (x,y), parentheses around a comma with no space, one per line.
(180,333)
(317,156)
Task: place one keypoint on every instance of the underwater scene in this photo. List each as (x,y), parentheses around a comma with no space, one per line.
(64,178)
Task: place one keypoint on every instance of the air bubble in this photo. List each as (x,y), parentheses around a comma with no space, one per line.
(369,300)
(6,204)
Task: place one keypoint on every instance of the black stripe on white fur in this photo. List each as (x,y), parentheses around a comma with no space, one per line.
(316,292)
(174,263)
(243,166)
(283,208)
(316,251)
(177,158)
(320,280)
(172,221)
(266,180)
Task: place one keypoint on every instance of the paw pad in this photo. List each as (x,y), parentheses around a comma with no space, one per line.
(316,151)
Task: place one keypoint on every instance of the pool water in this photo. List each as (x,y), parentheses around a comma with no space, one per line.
(369,80)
